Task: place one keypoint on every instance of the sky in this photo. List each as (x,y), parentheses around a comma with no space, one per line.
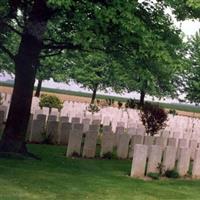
(188,27)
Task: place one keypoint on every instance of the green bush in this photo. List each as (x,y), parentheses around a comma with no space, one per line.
(153,118)
(75,154)
(108,155)
(153,175)
(50,101)
(172,174)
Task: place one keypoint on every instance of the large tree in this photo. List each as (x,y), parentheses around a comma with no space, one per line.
(52,27)
(51,67)
(192,72)
(156,65)
(36,15)
(95,71)
(48,28)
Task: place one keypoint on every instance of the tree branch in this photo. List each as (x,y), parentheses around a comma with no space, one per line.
(54,45)
(18,23)
(8,52)
(13,29)
(62,46)
(51,54)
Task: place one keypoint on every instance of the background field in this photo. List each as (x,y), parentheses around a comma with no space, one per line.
(182,109)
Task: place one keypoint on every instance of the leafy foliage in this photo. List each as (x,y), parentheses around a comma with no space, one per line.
(153,118)
(192,73)
(100,37)
(109,155)
(172,174)
(95,71)
(50,101)
(153,175)
(155,68)
(184,9)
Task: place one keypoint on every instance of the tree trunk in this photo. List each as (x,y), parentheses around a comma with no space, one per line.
(13,139)
(94,94)
(38,89)
(142,95)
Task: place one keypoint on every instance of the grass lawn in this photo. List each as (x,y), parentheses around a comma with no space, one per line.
(56,177)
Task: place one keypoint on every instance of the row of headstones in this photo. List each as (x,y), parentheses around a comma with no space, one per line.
(176,120)
(149,159)
(139,130)
(128,123)
(172,123)
(41,123)
(60,129)
(125,143)
(60,132)
(57,131)
(108,141)
(72,134)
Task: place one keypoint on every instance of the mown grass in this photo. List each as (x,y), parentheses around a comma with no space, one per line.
(58,177)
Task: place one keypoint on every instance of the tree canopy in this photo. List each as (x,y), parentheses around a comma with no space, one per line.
(192,73)
(37,33)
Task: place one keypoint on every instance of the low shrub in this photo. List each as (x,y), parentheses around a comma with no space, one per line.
(172,174)
(153,175)
(75,154)
(50,101)
(153,118)
(108,155)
